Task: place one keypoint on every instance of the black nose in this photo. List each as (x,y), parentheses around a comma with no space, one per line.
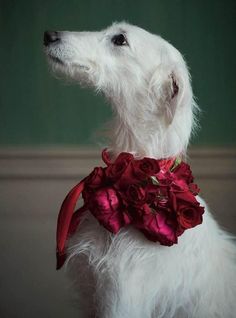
(50,37)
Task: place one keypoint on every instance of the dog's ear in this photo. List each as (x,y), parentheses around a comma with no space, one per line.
(166,89)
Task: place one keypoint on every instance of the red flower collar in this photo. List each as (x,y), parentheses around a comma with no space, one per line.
(157,197)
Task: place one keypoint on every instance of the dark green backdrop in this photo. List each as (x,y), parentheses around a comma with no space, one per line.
(38,109)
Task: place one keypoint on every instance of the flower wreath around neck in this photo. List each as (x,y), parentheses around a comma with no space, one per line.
(157,197)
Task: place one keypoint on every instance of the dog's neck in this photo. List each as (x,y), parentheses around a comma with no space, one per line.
(137,130)
(144,141)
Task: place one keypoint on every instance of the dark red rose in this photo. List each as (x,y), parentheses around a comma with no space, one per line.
(114,171)
(96,178)
(106,206)
(126,179)
(188,209)
(189,217)
(183,171)
(157,227)
(124,156)
(145,167)
(135,194)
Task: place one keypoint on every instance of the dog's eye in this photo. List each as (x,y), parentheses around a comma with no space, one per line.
(119,39)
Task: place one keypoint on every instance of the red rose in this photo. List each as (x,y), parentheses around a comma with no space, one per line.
(114,171)
(188,209)
(183,171)
(124,156)
(189,217)
(135,194)
(106,206)
(146,167)
(96,177)
(157,227)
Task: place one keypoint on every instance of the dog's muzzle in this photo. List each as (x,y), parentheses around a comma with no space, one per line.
(51,37)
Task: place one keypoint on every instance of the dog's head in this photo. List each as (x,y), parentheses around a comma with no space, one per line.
(141,73)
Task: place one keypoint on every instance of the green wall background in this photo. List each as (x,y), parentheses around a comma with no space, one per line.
(36,109)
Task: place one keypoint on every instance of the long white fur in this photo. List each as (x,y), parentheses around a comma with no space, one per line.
(125,275)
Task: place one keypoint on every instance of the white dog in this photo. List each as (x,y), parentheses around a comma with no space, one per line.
(125,275)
